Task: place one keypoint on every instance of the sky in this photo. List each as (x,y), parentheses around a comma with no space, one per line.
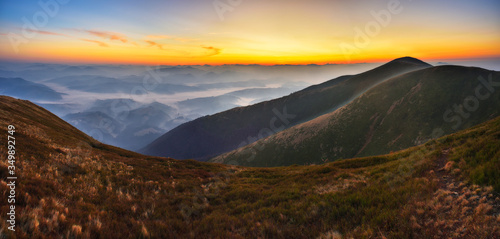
(215,32)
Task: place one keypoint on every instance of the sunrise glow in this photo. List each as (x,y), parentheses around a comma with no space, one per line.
(247,32)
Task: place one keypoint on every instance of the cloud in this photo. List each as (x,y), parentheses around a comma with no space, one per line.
(45,32)
(103,44)
(108,35)
(214,50)
(48,33)
(153,43)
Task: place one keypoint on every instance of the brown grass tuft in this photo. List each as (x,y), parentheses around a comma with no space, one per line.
(76,230)
(449,165)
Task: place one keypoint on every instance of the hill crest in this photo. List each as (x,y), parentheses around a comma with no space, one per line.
(213,135)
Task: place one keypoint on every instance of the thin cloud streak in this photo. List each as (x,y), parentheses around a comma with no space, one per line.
(152,43)
(48,33)
(100,43)
(215,51)
(108,35)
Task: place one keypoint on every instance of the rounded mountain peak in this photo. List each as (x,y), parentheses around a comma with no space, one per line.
(410,60)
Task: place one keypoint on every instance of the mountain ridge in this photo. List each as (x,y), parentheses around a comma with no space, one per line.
(212,135)
(21,88)
(70,185)
(401,112)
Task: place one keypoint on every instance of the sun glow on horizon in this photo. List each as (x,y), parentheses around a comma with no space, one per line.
(257,32)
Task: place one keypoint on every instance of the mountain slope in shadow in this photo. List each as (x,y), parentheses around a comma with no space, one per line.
(20,88)
(212,135)
(402,112)
(70,186)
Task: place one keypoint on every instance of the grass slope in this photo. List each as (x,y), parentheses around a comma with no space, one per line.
(212,135)
(402,112)
(73,187)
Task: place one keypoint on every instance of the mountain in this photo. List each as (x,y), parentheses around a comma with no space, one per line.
(235,84)
(145,124)
(60,108)
(212,135)
(93,83)
(205,105)
(258,95)
(124,122)
(20,88)
(114,107)
(153,114)
(404,111)
(129,85)
(69,185)
(202,106)
(100,125)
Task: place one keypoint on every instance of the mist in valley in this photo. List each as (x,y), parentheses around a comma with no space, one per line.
(130,106)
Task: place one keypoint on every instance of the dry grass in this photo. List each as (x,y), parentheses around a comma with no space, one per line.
(72,187)
(457,211)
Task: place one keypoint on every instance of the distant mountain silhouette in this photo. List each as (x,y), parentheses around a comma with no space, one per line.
(125,122)
(404,111)
(212,135)
(71,186)
(20,88)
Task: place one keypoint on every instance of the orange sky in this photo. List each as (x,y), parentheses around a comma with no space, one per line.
(254,32)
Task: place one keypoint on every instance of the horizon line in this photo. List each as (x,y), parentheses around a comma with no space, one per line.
(381,60)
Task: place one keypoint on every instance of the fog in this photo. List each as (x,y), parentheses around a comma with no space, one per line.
(129,106)
(81,85)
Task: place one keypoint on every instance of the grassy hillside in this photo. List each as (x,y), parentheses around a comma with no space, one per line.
(215,134)
(71,186)
(402,112)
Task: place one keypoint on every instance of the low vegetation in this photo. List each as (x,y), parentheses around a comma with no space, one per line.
(71,186)
(213,135)
(402,112)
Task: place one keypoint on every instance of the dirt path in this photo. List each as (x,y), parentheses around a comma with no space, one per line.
(458,210)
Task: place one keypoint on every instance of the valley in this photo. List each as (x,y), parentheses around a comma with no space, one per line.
(402,194)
